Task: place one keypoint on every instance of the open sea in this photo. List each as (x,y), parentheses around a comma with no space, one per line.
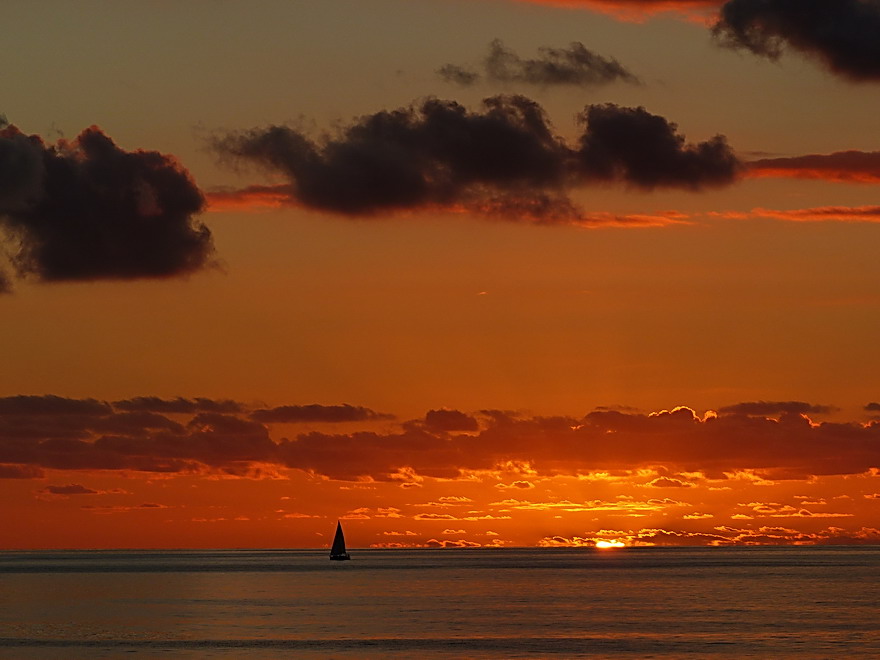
(802,602)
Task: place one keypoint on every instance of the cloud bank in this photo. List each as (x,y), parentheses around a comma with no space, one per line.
(773,440)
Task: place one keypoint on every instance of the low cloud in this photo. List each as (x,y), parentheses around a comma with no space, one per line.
(502,161)
(638,10)
(814,214)
(316,413)
(85,209)
(842,34)
(770,408)
(71,489)
(575,65)
(842,166)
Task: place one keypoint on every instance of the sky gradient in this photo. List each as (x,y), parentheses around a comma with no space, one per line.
(502,272)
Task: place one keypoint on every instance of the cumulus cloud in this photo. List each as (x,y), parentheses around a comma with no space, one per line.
(840,33)
(85,209)
(316,413)
(503,160)
(575,65)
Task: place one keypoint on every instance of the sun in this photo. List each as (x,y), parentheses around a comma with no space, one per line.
(602,544)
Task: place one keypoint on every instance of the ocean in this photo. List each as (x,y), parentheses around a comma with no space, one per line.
(756,602)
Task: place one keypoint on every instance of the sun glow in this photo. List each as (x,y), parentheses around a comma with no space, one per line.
(610,544)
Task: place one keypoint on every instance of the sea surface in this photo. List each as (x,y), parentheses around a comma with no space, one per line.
(804,602)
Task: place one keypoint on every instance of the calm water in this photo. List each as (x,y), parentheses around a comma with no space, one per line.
(511,603)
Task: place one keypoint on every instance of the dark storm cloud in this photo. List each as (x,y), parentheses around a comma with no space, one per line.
(646,150)
(575,66)
(504,160)
(841,33)
(87,210)
(316,413)
(177,405)
(777,408)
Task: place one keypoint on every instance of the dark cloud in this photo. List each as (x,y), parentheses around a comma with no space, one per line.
(745,438)
(770,408)
(178,405)
(841,33)
(86,209)
(20,472)
(873,407)
(504,160)
(450,420)
(71,489)
(316,413)
(50,404)
(645,150)
(575,65)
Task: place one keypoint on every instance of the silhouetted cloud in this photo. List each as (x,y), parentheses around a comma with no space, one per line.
(769,408)
(841,33)
(50,404)
(873,407)
(504,160)
(645,150)
(20,472)
(450,420)
(576,66)
(843,166)
(178,405)
(316,413)
(85,209)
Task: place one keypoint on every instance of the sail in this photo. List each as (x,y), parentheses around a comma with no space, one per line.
(338,549)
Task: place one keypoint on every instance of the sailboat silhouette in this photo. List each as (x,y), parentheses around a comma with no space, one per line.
(337,552)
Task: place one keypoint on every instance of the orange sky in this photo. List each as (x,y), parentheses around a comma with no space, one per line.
(547,273)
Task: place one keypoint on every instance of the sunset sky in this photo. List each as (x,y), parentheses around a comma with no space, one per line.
(458,272)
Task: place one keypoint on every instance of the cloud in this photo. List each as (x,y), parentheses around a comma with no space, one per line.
(873,406)
(815,214)
(760,442)
(20,472)
(637,10)
(646,151)
(49,404)
(86,209)
(450,420)
(669,482)
(840,33)
(71,489)
(576,66)
(504,161)
(178,405)
(777,408)
(316,413)
(841,166)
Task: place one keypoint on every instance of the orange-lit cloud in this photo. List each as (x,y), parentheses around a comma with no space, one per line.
(737,445)
(815,214)
(842,166)
(639,10)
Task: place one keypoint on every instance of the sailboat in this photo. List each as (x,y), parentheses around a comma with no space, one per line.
(337,552)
